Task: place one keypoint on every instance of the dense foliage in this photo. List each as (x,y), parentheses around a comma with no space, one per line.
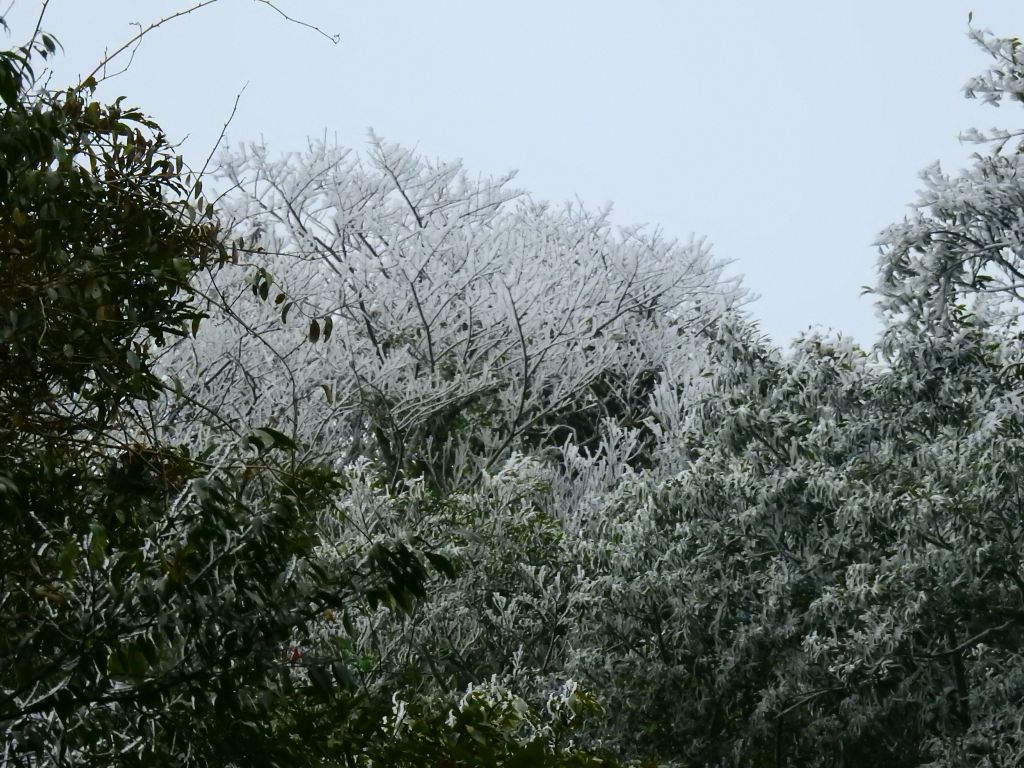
(161,600)
(142,593)
(381,464)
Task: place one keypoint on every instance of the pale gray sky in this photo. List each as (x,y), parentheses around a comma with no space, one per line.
(788,133)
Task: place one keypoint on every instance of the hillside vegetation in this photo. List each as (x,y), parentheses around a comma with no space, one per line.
(375,462)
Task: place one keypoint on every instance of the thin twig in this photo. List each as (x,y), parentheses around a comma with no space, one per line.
(142,33)
(968,643)
(335,38)
(35,34)
(223,131)
(131,43)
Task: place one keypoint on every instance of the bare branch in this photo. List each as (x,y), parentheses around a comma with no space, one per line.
(223,132)
(132,42)
(335,38)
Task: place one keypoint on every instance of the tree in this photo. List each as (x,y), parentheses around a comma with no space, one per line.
(453,319)
(148,590)
(413,327)
(822,565)
(959,252)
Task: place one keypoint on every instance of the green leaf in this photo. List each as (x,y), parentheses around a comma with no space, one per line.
(314,331)
(66,561)
(10,84)
(97,544)
(321,680)
(343,676)
(347,623)
(441,564)
(270,438)
(132,659)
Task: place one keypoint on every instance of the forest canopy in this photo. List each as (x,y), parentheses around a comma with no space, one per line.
(371,461)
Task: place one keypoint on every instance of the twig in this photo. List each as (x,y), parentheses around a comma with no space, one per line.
(335,38)
(968,643)
(142,33)
(133,42)
(7,12)
(223,131)
(809,698)
(35,34)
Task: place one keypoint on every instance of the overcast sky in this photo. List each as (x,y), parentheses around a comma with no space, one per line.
(787,133)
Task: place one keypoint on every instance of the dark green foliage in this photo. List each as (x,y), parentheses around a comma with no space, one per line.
(99,233)
(143,594)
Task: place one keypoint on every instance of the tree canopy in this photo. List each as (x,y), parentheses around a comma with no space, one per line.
(374,462)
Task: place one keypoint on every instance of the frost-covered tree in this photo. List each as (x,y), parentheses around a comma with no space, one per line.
(454,320)
(961,250)
(822,566)
(155,597)
(818,562)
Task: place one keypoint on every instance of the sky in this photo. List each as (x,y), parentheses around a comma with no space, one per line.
(789,134)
